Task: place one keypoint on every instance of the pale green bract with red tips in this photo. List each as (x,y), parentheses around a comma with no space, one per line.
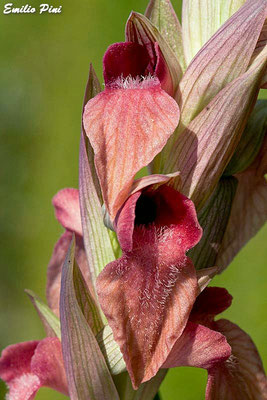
(129,300)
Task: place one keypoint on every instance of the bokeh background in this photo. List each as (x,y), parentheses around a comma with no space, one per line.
(44,66)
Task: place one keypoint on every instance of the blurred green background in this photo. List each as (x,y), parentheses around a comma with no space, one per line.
(44,66)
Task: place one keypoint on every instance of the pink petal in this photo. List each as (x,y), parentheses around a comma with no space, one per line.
(127,126)
(124,222)
(140,30)
(242,376)
(170,207)
(25,367)
(67,209)
(211,302)
(155,179)
(163,73)
(148,293)
(147,296)
(198,347)
(47,364)
(124,59)
(16,360)
(24,387)
(55,268)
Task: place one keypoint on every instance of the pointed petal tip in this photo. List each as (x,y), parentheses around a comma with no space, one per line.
(67,209)
(199,347)
(127,128)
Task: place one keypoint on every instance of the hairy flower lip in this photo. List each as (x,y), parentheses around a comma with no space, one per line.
(154,257)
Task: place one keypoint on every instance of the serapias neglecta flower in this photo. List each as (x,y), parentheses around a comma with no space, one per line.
(132,297)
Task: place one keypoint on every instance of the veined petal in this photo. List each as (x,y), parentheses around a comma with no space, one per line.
(87,373)
(55,268)
(27,366)
(201,19)
(250,205)
(222,59)
(148,317)
(248,215)
(67,209)
(251,140)
(49,319)
(213,218)
(198,347)
(97,243)
(93,87)
(140,30)
(127,126)
(205,147)
(163,16)
(262,41)
(242,375)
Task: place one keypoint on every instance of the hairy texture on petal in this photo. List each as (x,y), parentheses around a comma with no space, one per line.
(147,296)
(127,127)
(162,15)
(198,347)
(149,316)
(25,367)
(67,209)
(124,59)
(55,268)
(24,387)
(242,375)
(201,19)
(225,57)
(211,302)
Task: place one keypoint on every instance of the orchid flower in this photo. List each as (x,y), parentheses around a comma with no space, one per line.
(128,298)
